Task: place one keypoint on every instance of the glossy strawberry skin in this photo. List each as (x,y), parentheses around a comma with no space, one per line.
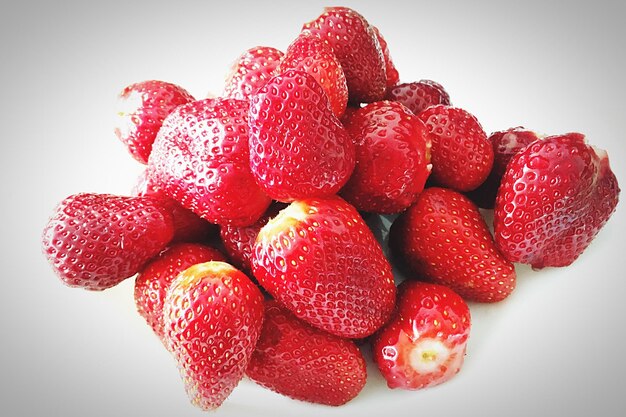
(298,148)
(555,197)
(250,71)
(505,144)
(444,239)
(320,260)
(462,156)
(213,317)
(302,362)
(390,69)
(356,46)
(153,282)
(418,96)
(393,158)
(201,160)
(425,341)
(95,241)
(142,107)
(310,54)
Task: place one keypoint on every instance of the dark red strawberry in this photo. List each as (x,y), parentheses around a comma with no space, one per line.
(356,46)
(424,343)
(312,55)
(201,160)
(142,107)
(251,70)
(213,316)
(461,154)
(393,158)
(443,238)
(320,260)
(418,96)
(297,360)
(390,69)
(153,282)
(95,241)
(505,144)
(554,198)
(298,148)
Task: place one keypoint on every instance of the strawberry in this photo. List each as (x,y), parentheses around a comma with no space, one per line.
(154,280)
(393,158)
(213,316)
(505,144)
(357,48)
(461,154)
(95,241)
(188,226)
(418,96)
(310,54)
(424,343)
(298,148)
(250,71)
(201,160)
(554,198)
(142,107)
(443,238)
(297,360)
(390,69)
(319,259)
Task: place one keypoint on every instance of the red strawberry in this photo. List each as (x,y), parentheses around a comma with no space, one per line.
(505,144)
(319,259)
(356,46)
(424,343)
(298,148)
(310,54)
(443,238)
(154,280)
(239,240)
(201,160)
(213,316)
(554,198)
(251,70)
(188,226)
(142,107)
(297,360)
(393,158)
(390,69)
(420,95)
(461,154)
(95,241)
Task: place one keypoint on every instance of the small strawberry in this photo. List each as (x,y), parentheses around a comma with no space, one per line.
(461,154)
(393,158)
(213,316)
(153,282)
(142,107)
(356,46)
(201,160)
(298,148)
(390,69)
(250,71)
(418,96)
(297,360)
(310,54)
(95,241)
(443,238)
(320,260)
(505,144)
(425,341)
(555,197)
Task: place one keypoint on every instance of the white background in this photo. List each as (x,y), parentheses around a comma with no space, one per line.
(555,347)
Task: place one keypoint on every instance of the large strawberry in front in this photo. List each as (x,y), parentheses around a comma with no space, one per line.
(555,196)
(320,260)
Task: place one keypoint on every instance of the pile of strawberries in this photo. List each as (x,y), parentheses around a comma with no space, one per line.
(299,148)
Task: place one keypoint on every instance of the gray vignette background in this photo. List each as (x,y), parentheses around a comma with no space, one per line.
(556,347)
